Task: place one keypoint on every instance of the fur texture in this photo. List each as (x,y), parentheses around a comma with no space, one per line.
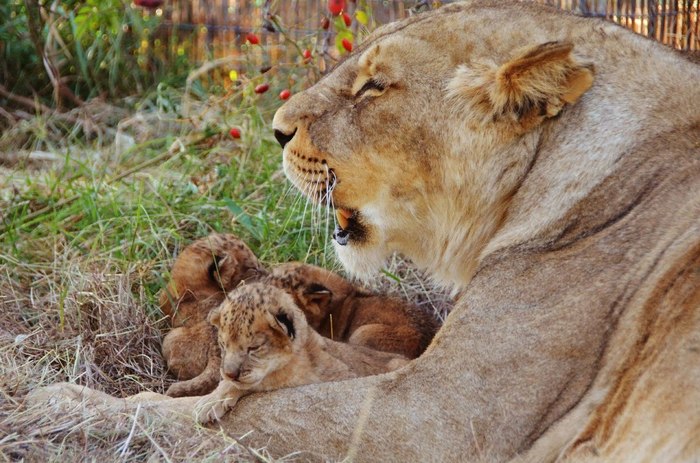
(200,278)
(334,307)
(267,344)
(574,238)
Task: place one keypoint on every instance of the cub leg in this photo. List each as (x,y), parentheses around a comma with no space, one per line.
(205,382)
(399,340)
(215,405)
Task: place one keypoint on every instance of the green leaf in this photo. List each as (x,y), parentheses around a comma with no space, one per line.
(339,40)
(242,217)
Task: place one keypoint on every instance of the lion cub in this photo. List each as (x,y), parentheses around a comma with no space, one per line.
(339,310)
(200,278)
(267,344)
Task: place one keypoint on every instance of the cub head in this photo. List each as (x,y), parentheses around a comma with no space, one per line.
(401,136)
(260,330)
(210,266)
(315,290)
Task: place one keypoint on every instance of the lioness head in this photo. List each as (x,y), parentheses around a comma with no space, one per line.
(418,136)
(260,330)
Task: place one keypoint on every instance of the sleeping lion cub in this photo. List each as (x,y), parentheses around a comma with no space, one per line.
(212,266)
(267,344)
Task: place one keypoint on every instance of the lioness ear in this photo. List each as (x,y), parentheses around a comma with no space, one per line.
(525,90)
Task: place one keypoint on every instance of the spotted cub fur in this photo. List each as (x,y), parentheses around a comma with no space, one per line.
(267,344)
(210,267)
(200,278)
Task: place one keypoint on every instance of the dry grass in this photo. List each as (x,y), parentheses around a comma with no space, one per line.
(85,321)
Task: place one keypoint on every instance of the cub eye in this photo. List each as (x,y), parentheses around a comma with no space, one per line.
(255,348)
(371,84)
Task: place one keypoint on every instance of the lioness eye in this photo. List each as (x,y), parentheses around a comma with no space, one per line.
(371,84)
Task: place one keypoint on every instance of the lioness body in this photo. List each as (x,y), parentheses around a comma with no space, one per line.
(548,166)
(267,344)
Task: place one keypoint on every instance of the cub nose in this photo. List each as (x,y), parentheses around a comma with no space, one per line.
(284,138)
(232,373)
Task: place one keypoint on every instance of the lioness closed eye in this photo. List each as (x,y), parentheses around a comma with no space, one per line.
(267,344)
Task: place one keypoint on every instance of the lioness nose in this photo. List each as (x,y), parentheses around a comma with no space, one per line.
(284,138)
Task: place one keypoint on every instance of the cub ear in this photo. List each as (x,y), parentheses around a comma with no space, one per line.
(286,323)
(318,294)
(214,316)
(525,90)
(215,270)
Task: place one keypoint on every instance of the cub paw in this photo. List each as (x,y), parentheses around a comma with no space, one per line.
(210,409)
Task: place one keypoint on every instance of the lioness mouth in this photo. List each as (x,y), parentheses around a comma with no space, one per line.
(347,226)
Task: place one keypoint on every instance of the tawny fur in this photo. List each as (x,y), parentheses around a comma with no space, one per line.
(200,278)
(339,310)
(574,240)
(333,306)
(267,344)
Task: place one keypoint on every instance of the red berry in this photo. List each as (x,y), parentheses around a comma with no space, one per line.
(347,19)
(252,38)
(152,4)
(307,54)
(336,6)
(235,133)
(347,44)
(262,88)
(325,23)
(284,94)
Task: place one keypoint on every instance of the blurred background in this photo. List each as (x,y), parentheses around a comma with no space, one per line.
(113,48)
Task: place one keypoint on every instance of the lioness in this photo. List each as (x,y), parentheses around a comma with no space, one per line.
(267,344)
(549,167)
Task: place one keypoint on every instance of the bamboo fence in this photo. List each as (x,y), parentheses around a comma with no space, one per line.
(210,29)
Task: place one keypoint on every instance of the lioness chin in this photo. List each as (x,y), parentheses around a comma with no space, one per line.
(548,166)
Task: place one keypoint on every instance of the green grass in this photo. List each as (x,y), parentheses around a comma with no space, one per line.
(88,234)
(207,182)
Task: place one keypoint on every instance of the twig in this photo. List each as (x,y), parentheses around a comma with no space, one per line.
(127,442)
(206,67)
(23,100)
(34,22)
